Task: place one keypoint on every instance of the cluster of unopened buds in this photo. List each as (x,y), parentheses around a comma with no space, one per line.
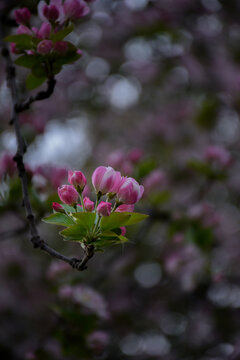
(100,223)
(43,49)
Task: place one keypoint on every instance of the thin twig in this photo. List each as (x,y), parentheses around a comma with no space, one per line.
(42,95)
(18,158)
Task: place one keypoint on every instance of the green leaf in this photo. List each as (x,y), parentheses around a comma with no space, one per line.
(22,41)
(39,71)
(33,82)
(115,220)
(135,218)
(74,233)
(86,219)
(108,235)
(60,35)
(106,239)
(28,61)
(68,208)
(59,219)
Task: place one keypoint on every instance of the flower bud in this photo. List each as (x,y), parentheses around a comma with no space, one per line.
(13,48)
(135,155)
(22,29)
(61,47)
(22,16)
(57,207)
(104,208)
(44,31)
(77,179)
(125,207)
(75,9)
(45,47)
(123,230)
(104,179)
(68,194)
(129,191)
(51,12)
(88,204)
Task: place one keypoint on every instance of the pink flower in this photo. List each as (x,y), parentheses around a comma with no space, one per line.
(61,47)
(57,207)
(154,180)
(77,179)
(68,194)
(104,178)
(218,154)
(75,9)
(44,31)
(88,204)
(7,164)
(45,47)
(52,12)
(22,16)
(123,230)
(13,48)
(104,208)
(130,191)
(22,29)
(135,155)
(125,207)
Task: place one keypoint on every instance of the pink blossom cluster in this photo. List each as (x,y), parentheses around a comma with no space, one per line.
(125,162)
(55,16)
(106,181)
(219,155)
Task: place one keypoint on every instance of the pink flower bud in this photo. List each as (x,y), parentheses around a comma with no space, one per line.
(22,16)
(77,179)
(22,29)
(61,47)
(104,208)
(104,178)
(79,52)
(130,191)
(135,155)
(57,207)
(88,204)
(45,47)
(75,9)
(51,12)
(13,48)
(68,194)
(125,207)
(123,230)
(44,31)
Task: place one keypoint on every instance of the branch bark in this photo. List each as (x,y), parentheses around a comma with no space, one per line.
(18,158)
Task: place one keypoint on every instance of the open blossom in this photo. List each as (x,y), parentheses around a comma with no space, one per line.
(104,208)
(75,9)
(88,204)
(77,179)
(45,47)
(104,179)
(68,194)
(130,191)
(22,16)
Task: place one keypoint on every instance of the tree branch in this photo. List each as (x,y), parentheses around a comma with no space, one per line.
(18,158)
(42,95)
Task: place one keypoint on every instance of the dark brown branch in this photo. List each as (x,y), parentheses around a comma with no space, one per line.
(18,158)
(42,95)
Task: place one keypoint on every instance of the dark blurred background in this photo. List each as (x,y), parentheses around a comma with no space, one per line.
(156,96)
